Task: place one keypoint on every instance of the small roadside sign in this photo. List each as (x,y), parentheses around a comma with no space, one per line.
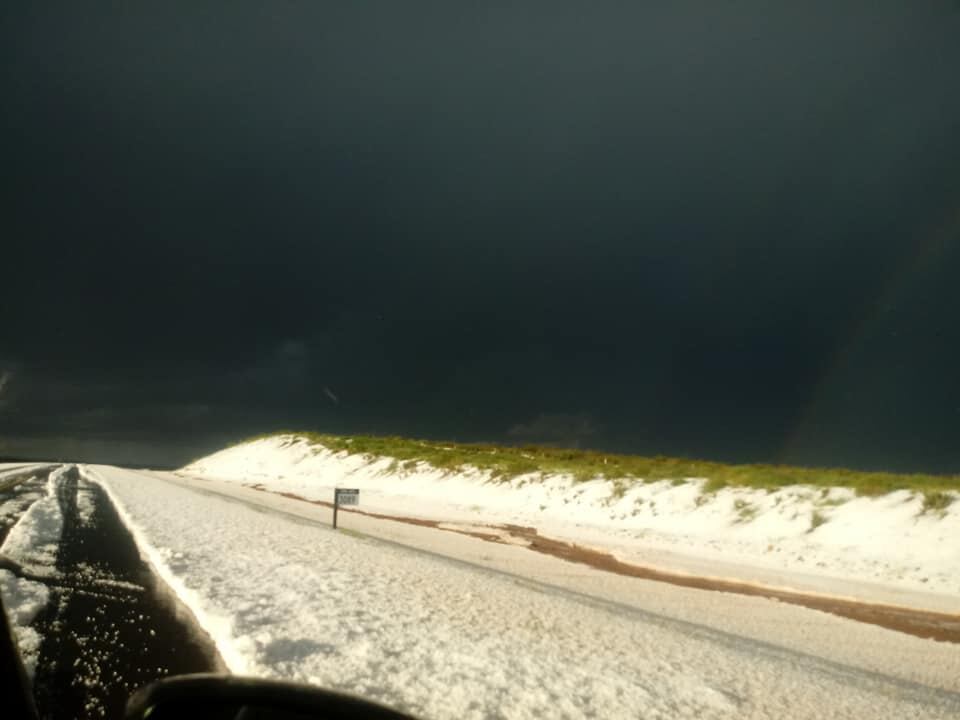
(344,496)
(347,496)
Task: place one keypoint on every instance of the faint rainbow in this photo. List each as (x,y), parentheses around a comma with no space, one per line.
(925,251)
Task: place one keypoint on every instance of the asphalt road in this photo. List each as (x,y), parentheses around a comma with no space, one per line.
(109,626)
(593,595)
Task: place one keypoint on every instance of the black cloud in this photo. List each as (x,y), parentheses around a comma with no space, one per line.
(713,230)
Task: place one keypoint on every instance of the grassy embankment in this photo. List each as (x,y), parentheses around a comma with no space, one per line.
(506,462)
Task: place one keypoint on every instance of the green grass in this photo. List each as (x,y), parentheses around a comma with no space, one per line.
(816,520)
(745,511)
(835,502)
(352,533)
(936,501)
(507,462)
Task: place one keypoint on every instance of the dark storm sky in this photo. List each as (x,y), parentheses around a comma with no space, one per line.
(718,229)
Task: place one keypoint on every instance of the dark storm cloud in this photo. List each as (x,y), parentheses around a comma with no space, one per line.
(678,221)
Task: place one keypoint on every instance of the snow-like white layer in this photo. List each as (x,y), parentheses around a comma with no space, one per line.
(290,599)
(34,540)
(802,529)
(14,506)
(33,543)
(85,503)
(165,563)
(23,599)
(11,469)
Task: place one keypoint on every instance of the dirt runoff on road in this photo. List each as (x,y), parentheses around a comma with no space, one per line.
(927,624)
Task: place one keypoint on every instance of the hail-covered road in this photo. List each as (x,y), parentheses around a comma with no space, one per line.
(281,595)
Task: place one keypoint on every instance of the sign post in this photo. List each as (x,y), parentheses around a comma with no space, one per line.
(344,496)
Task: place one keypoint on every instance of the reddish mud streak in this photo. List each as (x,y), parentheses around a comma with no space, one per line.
(920,623)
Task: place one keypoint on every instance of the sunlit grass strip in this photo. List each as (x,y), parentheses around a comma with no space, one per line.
(507,462)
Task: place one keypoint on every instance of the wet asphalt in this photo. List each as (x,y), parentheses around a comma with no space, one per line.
(111,625)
